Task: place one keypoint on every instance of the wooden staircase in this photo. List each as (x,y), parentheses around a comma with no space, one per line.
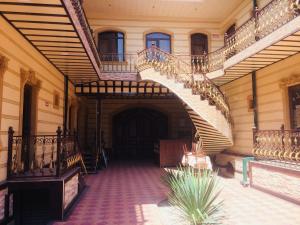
(203,100)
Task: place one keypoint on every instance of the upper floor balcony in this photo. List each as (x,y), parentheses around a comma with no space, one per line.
(270,35)
(42,156)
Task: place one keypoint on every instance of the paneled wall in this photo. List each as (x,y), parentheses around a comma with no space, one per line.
(178,121)
(22,56)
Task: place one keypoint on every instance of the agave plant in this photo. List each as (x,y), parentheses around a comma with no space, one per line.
(195,194)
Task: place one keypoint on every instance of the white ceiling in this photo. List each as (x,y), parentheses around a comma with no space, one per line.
(181,10)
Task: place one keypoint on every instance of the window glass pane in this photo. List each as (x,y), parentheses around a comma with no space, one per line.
(120,35)
(160,40)
(121,49)
(149,43)
(165,45)
(111,46)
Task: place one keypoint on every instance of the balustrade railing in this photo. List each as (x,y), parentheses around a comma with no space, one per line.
(263,22)
(77,4)
(116,63)
(278,145)
(182,71)
(41,155)
(244,37)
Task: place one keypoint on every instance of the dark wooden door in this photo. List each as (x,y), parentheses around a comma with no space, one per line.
(26,125)
(136,130)
(199,44)
(294,102)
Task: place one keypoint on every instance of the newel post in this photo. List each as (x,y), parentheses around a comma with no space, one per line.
(9,150)
(58,154)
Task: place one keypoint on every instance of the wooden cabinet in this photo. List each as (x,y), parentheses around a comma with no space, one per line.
(171,151)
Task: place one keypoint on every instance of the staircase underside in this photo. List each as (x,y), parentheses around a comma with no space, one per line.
(213,141)
(279,45)
(214,130)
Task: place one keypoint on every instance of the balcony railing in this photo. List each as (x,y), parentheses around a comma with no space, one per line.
(182,71)
(41,155)
(262,23)
(77,4)
(202,64)
(277,145)
(117,63)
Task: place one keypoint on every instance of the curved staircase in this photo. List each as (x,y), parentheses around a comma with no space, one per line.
(204,102)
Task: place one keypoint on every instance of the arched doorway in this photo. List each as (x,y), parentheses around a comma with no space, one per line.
(136,130)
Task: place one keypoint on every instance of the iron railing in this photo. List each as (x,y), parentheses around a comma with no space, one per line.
(41,155)
(182,71)
(262,23)
(277,145)
(116,63)
(80,13)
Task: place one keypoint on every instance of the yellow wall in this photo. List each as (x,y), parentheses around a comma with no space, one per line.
(241,14)
(273,109)
(22,55)
(180,33)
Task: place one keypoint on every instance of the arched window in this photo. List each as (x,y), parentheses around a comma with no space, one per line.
(111,46)
(199,44)
(160,40)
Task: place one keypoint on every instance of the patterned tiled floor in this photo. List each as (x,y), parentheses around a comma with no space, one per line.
(132,194)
